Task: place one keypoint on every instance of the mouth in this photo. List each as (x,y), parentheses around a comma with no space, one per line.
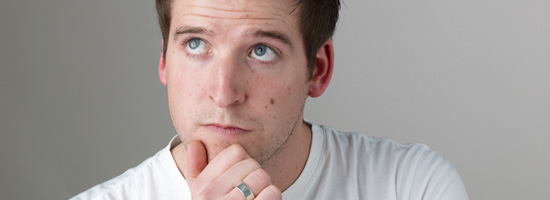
(226,130)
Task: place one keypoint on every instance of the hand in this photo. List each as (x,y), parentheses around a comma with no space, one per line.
(217,179)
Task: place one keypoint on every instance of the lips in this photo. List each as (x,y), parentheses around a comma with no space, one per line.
(226,130)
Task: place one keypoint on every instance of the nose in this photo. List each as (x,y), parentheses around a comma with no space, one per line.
(228,82)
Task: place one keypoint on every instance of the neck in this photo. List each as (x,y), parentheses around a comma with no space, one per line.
(284,167)
(287,165)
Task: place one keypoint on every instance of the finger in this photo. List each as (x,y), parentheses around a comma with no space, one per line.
(221,162)
(270,193)
(257,181)
(234,175)
(235,194)
(196,161)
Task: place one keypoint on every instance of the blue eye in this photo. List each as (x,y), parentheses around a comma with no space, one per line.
(260,50)
(197,46)
(263,53)
(194,43)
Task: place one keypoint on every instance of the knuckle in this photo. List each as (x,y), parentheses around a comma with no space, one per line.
(238,151)
(203,195)
(196,185)
(261,174)
(252,163)
(207,193)
(272,192)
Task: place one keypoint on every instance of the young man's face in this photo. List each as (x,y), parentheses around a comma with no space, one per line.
(236,72)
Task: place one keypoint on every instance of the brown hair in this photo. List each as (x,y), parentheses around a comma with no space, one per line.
(317,23)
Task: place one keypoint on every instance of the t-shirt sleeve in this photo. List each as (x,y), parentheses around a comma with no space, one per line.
(435,178)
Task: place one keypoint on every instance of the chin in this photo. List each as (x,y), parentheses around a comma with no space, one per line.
(213,148)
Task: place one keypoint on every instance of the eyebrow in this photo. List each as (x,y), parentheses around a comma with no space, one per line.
(258,33)
(190,29)
(275,35)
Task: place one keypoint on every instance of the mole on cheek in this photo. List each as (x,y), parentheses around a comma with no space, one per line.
(271,101)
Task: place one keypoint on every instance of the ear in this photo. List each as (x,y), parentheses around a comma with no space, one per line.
(324,64)
(162,68)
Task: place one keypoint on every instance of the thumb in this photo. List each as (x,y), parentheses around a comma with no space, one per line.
(196,161)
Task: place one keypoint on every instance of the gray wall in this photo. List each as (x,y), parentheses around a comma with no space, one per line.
(81,101)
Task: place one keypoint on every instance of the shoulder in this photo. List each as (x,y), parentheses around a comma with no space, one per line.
(381,153)
(412,169)
(132,184)
(372,146)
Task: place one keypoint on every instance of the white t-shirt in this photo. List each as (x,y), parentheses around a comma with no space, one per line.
(340,165)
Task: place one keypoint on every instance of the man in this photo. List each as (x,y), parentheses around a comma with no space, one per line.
(238,74)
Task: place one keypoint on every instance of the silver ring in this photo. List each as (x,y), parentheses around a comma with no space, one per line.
(245,191)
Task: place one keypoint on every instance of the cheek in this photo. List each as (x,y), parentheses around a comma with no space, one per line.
(182,96)
(184,81)
(282,100)
(181,91)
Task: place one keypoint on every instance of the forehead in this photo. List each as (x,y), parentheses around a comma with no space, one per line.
(219,14)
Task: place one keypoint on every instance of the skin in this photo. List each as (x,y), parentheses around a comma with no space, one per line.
(240,115)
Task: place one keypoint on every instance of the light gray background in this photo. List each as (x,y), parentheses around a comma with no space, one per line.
(81,101)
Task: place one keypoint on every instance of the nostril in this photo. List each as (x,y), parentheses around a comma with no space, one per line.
(240,100)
